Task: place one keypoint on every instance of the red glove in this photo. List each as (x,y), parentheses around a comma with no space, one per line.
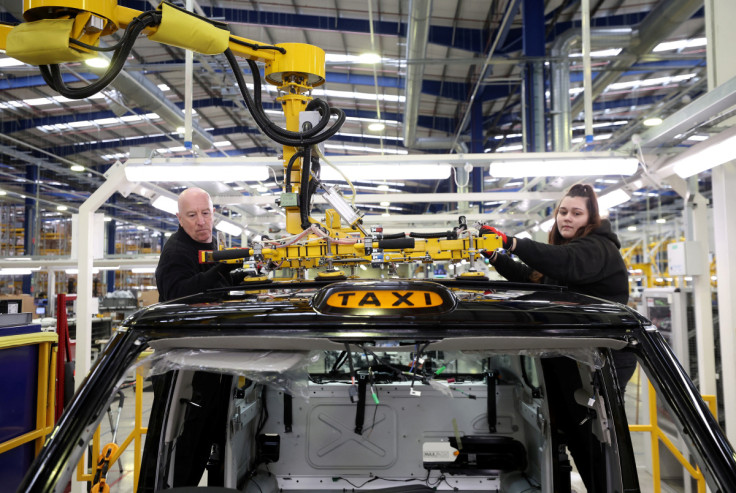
(507,242)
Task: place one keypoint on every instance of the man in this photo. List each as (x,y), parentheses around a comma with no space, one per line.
(179,272)
(200,442)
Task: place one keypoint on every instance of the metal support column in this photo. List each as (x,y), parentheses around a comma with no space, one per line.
(721,39)
(477,142)
(115,180)
(30,227)
(696,215)
(533,46)
(111,228)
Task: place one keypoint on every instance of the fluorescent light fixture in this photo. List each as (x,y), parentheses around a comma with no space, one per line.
(97,62)
(3,192)
(371,172)
(17,271)
(661,220)
(385,203)
(612,199)
(196,172)
(652,122)
(166,204)
(376,127)
(370,57)
(143,270)
(681,44)
(706,155)
(10,62)
(61,208)
(546,226)
(378,150)
(229,228)
(77,167)
(582,166)
(631,228)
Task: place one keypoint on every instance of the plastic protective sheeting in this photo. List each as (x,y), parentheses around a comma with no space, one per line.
(590,357)
(282,370)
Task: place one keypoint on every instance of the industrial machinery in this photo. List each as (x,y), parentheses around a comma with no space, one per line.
(59,31)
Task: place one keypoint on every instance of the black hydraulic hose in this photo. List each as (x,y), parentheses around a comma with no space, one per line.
(257,47)
(287,179)
(304,188)
(283,137)
(319,104)
(316,167)
(52,73)
(447,234)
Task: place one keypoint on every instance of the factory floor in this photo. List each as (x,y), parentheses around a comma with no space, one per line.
(120,476)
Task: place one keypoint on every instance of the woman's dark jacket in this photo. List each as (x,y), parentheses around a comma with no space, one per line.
(589,265)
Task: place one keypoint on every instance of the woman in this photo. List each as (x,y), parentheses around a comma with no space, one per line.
(583,255)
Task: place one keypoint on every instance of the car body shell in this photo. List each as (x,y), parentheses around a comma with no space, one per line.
(467,316)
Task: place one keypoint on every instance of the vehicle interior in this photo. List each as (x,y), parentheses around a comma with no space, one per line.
(385,416)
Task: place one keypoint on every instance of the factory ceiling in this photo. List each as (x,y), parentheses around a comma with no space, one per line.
(454,76)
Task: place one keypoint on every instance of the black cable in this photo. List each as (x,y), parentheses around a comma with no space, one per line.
(350,361)
(398,372)
(447,234)
(263,418)
(304,188)
(93,47)
(52,73)
(394,236)
(273,131)
(255,46)
(339,361)
(292,160)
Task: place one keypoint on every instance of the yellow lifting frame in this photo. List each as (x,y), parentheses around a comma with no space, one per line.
(295,72)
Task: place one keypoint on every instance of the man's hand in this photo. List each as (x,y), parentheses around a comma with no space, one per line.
(226,268)
(506,240)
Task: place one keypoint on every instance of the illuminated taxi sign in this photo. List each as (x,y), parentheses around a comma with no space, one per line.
(384,298)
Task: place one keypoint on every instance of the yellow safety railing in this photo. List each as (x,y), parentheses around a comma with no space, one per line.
(657,435)
(135,436)
(45,388)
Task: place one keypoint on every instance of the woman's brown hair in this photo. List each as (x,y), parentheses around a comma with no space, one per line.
(594,217)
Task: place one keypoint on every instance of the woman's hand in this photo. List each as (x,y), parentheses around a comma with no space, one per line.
(508,242)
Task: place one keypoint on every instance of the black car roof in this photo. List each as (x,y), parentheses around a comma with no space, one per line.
(464,306)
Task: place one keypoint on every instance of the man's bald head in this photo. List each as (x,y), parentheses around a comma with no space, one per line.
(196,214)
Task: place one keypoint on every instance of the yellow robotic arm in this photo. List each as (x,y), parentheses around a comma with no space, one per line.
(60,31)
